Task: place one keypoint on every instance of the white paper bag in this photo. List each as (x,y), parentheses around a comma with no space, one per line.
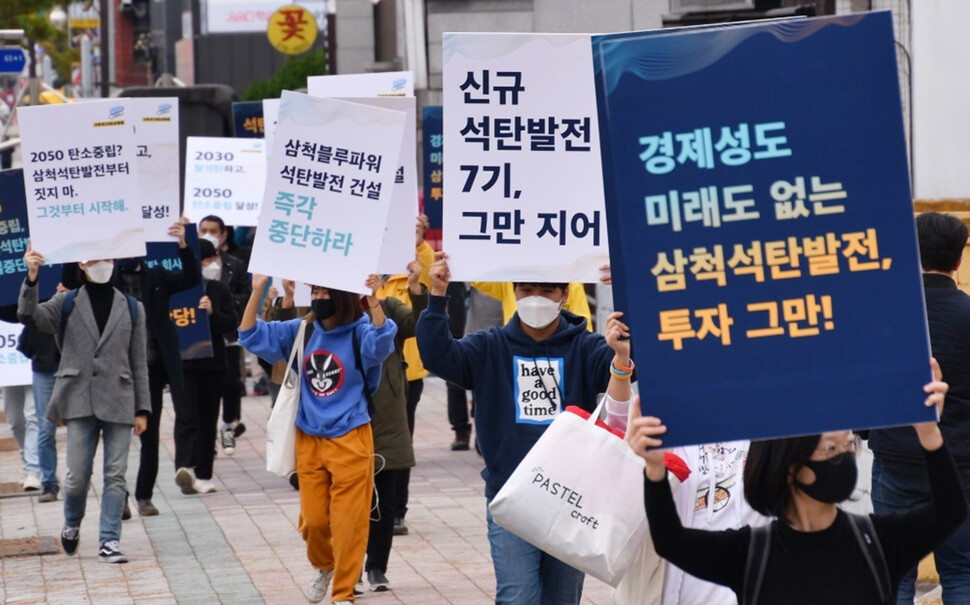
(578,496)
(281,426)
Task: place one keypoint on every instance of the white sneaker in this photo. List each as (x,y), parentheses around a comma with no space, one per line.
(319,585)
(185,479)
(203,486)
(32,483)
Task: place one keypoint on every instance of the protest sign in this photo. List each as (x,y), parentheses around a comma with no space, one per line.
(225,177)
(431,148)
(398,248)
(381,84)
(191,323)
(14,235)
(80,176)
(328,190)
(247,119)
(524,180)
(764,251)
(15,368)
(157,138)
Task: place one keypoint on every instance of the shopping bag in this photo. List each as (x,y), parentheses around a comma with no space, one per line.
(281,427)
(578,496)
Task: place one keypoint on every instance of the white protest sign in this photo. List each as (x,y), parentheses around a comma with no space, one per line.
(522,175)
(80,176)
(15,368)
(157,138)
(224,177)
(328,191)
(271,112)
(398,248)
(382,84)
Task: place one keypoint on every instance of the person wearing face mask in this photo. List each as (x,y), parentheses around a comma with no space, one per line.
(197,404)
(522,375)
(813,553)
(100,389)
(154,287)
(230,270)
(340,370)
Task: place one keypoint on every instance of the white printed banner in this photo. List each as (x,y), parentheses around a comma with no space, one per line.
(251,16)
(80,176)
(522,172)
(14,367)
(399,244)
(157,138)
(328,191)
(381,84)
(224,177)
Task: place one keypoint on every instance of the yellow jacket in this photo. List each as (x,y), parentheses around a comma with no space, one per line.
(505,291)
(396,286)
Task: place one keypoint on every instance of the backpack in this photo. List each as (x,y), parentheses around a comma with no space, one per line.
(357,360)
(68,306)
(865,535)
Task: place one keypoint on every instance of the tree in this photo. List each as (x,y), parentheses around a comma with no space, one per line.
(31,16)
(291,75)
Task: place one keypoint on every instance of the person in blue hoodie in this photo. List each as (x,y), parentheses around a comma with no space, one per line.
(522,375)
(334,441)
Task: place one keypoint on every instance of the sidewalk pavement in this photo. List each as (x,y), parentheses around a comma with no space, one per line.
(240,545)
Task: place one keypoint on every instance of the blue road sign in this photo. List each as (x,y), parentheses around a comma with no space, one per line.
(12,60)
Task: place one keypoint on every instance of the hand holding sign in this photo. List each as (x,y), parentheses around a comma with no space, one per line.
(643,432)
(34,261)
(929,432)
(414,276)
(178,230)
(618,335)
(205,304)
(440,274)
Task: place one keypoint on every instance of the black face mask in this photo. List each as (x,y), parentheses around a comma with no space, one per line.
(834,478)
(323,308)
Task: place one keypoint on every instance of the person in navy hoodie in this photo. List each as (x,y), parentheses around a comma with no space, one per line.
(334,440)
(522,375)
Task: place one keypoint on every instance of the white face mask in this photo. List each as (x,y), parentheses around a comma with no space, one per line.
(212,239)
(100,272)
(212,271)
(537,311)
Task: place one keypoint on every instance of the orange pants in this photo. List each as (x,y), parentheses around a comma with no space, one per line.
(336,488)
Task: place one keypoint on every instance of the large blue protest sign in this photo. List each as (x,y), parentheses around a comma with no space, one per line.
(14,236)
(761,227)
(191,323)
(431,147)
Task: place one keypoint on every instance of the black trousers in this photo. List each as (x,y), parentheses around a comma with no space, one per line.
(415,388)
(458,410)
(148,462)
(232,386)
(196,420)
(382,519)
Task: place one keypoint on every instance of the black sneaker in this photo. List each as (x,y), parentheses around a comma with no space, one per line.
(294,481)
(400,529)
(111,552)
(377,580)
(70,536)
(49,494)
(228,442)
(238,430)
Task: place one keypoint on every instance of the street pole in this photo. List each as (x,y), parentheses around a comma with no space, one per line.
(331,37)
(103,7)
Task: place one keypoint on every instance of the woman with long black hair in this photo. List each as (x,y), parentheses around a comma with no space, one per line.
(813,554)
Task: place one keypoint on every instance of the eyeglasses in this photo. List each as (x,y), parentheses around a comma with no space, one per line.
(830,450)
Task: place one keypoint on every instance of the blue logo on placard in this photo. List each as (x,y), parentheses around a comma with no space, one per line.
(398,84)
(164,108)
(116,112)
